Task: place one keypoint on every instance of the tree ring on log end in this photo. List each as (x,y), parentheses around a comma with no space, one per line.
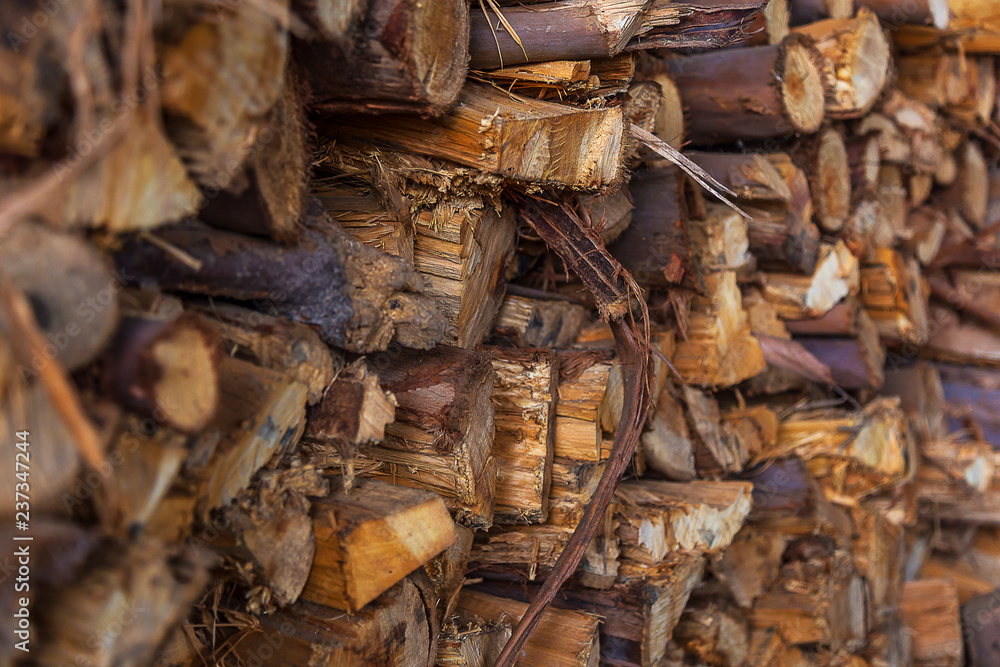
(802,88)
(431,51)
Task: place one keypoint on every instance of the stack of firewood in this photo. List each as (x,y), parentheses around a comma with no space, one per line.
(325,325)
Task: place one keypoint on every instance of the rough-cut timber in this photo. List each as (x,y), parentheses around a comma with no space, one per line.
(517,137)
(370,537)
(356,297)
(524,395)
(859,61)
(391,56)
(751,93)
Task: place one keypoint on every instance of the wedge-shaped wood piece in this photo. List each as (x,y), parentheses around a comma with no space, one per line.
(751,93)
(524,394)
(518,138)
(929,610)
(562,638)
(391,56)
(859,61)
(444,429)
(719,350)
(657,517)
(369,538)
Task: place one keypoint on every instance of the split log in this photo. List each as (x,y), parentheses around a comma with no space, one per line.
(750,564)
(164,368)
(530,322)
(667,443)
(353,411)
(750,175)
(462,248)
(927,226)
(471,644)
(444,429)
(524,394)
(921,396)
(268,196)
(669,122)
(573,485)
(719,240)
(261,414)
(581,391)
(356,297)
(221,77)
(371,537)
(893,194)
(949,467)
(930,612)
(387,57)
(561,638)
(859,58)
(719,350)
(74,297)
(799,297)
(446,571)
(657,518)
(969,194)
(286,347)
(894,297)
(519,138)
(864,159)
(714,632)
(754,93)
(367,219)
(396,628)
(715,452)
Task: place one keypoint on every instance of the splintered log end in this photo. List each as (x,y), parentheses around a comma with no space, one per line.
(354,410)
(369,538)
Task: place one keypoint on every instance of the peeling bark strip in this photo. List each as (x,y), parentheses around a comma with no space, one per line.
(583,250)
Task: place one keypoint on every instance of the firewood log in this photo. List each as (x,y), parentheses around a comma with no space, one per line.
(396,628)
(609,213)
(921,396)
(824,160)
(387,57)
(471,644)
(581,390)
(750,563)
(371,537)
(979,627)
(509,135)
(656,518)
(562,637)
(784,82)
(446,571)
(573,485)
(216,92)
(667,443)
(894,297)
(655,247)
(715,453)
(810,11)
(462,249)
(367,219)
(268,197)
(524,395)
(858,61)
(530,322)
(864,159)
(353,412)
(800,297)
(275,343)
(930,612)
(444,429)
(356,297)
(927,226)
(719,350)
(856,362)
(921,12)
(713,631)
(164,368)
(122,584)
(74,296)
(969,193)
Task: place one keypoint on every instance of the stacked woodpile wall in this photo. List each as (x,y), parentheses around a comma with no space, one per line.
(399,332)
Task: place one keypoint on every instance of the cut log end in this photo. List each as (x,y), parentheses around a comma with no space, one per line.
(869,61)
(833,205)
(801,88)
